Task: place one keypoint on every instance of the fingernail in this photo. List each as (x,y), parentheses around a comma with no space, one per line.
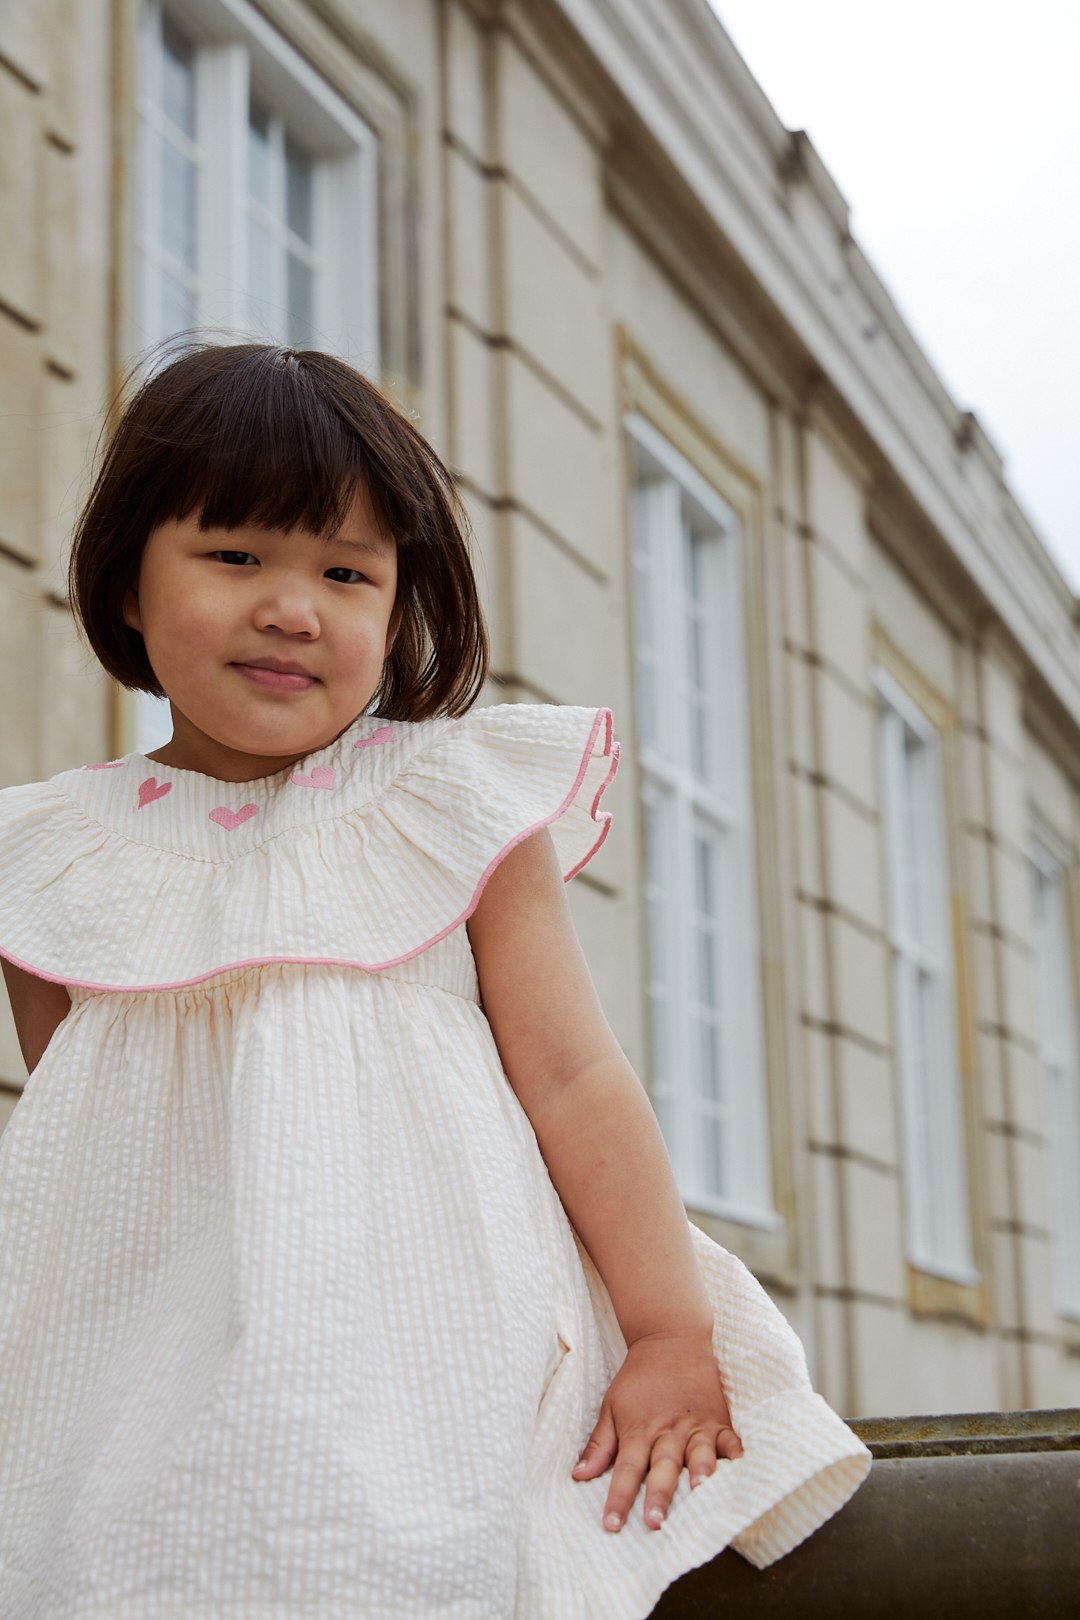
(655,1515)
(695,1481)
(612,1522)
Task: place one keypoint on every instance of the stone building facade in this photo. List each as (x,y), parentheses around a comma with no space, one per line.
(714,484)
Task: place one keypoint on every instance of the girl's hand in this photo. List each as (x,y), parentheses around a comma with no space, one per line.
(665,1407)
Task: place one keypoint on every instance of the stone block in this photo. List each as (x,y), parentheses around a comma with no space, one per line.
(828,1254)
(1013,883)
(75,697)
(912,624)
(869,1121)
(474,412)
(862,984)
(875,1229)
(1007,792)
(991,1075)
(60,220)
(854,859)
(883,1344)
(559,469)
(69,428)
(975,862)
(547,153)
(997,1176)
(20,608)
(983,956)
(1005,1298)
(1018,992)
(1054,1376)
(68,63)
(489,553)
(1026,1089)
(470,240)
(1037,1285)
(566,631)
(21,157)
(554,308)
(814,999)
(821,1121)
(849,739)
(24,42)
(836,503)
(466,81)
(1002,705)
(791,550)
(827,1356)
(1032,1172)
(801,747)
(969,751)
(1048,788)
(21,391)
(804,796)
(840,616)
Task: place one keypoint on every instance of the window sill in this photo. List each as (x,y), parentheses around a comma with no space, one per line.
(930,1295)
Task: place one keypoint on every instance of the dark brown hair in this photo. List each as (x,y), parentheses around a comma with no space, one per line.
(250,433)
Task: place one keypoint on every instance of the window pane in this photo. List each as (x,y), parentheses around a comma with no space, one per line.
(299,190)
(711,1138)
(301,301)
(178,205)
(177,306)
(261,277)
(178,78)
(259,173)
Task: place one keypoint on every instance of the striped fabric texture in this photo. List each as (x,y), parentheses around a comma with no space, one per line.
(292,1321)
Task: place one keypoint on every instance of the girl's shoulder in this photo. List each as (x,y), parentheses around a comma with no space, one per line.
(131,875)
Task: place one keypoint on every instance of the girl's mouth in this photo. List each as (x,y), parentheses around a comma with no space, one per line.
(276,680)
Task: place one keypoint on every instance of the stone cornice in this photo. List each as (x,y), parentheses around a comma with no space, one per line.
(690,103)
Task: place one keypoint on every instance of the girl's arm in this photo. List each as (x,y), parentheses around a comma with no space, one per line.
(38,1008)
(607,1161)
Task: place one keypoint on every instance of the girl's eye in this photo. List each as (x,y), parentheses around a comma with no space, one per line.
(236,558)
(353,573)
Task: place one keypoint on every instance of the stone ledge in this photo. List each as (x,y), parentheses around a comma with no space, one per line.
(969,1517)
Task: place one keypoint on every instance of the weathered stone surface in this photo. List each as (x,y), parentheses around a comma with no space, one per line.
(970,1517)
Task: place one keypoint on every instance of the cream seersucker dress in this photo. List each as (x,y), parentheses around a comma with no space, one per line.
(292,1322)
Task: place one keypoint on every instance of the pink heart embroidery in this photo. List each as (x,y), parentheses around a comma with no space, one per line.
(383,734)
(112,765)
(151,789)
(322,776)
(229,819)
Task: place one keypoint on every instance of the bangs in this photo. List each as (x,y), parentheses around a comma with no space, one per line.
(268,442)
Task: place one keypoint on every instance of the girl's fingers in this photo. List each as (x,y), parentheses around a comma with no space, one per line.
(661,1480)
(700,1458)
(600,1447)
(631,1466)
(728,1444)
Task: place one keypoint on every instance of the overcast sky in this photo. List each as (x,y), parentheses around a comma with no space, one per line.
(951,127)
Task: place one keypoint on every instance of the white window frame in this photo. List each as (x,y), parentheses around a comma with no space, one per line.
(1059,1054)
(237,54)
(720,807)
(936,1201)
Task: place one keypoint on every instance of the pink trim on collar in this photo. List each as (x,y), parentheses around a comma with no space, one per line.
(601,817)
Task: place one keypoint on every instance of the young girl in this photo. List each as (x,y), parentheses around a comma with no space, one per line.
(342,1271)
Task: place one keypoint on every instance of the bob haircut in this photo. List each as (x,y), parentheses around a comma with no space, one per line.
(251,433)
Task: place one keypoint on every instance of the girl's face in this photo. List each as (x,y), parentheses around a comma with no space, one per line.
(267,645)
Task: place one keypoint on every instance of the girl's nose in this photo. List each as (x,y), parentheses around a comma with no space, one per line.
(287,606)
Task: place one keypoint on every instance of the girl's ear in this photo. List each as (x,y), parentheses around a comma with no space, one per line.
(130,610)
